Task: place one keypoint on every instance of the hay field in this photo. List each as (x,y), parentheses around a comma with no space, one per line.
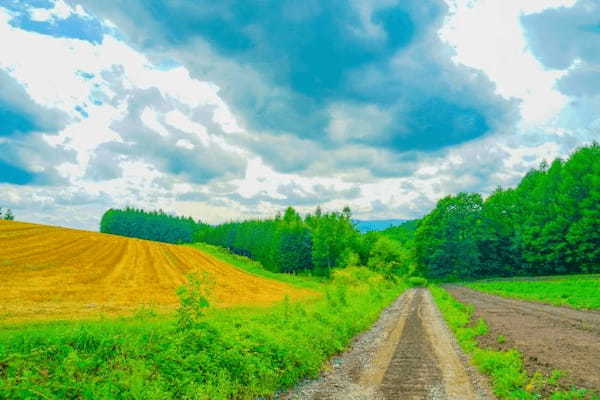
(58,273)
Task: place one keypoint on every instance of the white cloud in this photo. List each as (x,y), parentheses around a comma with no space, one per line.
(487,35)
(150,118)
(186,144)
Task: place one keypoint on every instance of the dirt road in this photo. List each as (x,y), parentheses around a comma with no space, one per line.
(549,337)
(408,354)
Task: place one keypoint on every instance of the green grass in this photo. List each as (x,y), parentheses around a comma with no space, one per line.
(254,267)
(577,292)
(505,369)
(242,353)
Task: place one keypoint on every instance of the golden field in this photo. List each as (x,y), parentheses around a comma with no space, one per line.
(58,273)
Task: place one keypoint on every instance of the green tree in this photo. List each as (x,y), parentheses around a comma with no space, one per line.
(388,257)
(446,242)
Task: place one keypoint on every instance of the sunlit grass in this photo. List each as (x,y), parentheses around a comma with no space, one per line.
(577,292)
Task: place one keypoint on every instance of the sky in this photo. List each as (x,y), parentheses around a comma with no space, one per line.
(237,109)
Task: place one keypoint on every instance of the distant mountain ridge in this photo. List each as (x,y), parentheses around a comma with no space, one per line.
(376,224)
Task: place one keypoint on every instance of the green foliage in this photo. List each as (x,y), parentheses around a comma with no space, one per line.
(446,239)
(7,215)
(505,368)
(417,281)
(150,225)
(388,257)
(574,292)
(254,267)
(549,224)
(193,299)
(243,353)
(403,233)
(316,243)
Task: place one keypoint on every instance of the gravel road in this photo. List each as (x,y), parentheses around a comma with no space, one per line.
(408,354)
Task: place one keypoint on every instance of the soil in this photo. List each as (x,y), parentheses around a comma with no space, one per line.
(408,354)
(550,337)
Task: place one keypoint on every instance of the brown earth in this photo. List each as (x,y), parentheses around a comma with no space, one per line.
(49,272)
(408,354)
(550,337)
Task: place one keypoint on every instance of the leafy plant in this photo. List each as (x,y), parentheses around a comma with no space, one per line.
(193,299)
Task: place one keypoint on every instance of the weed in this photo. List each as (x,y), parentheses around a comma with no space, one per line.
(193,299)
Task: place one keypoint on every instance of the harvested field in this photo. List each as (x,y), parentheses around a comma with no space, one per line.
(58,273)
(550,337)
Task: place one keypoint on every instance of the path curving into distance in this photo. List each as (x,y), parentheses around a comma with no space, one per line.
(408,354)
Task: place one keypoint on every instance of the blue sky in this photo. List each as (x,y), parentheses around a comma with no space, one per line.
(233,109)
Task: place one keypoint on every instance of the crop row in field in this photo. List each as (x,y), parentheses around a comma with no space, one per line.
(578,292)
(58,273)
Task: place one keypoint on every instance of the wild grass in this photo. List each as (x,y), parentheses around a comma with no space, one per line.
(508,377)
(202,353)
(577,292)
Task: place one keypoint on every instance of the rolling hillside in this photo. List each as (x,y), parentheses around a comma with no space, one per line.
(58,273)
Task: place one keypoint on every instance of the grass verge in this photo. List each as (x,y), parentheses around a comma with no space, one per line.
(505,369)
(241,353)
(576,292)
(256,268)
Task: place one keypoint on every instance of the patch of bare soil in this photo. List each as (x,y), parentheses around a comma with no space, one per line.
(550,337)
(408,354)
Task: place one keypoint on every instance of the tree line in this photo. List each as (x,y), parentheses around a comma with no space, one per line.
(548,224)
(150,225)
(316,243)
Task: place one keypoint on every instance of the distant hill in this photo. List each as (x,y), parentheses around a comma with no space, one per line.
(404,232)
(376,224)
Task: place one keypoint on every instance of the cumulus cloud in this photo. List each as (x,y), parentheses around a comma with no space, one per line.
(25,156)
(575,49)
(21,114)
(203,159)
(357,73)
(560,36)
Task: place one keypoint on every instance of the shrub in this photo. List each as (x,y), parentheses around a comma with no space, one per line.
(417,281)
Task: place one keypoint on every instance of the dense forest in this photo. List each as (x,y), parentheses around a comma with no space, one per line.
(548,224)
(150,225)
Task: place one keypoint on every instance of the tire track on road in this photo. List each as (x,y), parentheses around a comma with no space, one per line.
(408,354)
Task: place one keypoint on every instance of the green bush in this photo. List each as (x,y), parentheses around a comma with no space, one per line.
(417,281)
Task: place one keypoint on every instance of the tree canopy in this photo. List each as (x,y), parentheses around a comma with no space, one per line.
(150,225)
(548,224)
